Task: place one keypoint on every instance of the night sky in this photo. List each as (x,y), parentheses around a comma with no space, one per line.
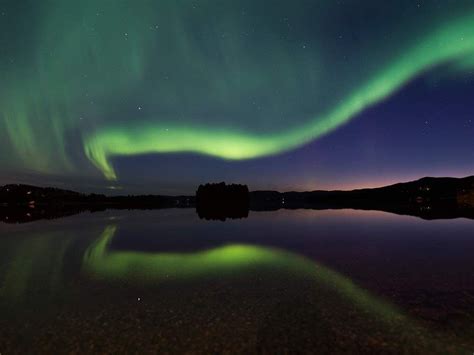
(136,96)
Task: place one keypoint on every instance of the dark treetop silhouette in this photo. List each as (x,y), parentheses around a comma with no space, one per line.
(221,201)
(428,198)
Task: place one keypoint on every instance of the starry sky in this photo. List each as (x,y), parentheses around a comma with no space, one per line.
(138,96)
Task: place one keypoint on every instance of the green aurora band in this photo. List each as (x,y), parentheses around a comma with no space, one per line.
(228,260)
(38,274)
(105,80)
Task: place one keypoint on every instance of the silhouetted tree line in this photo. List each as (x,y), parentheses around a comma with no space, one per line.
(221,201)
(429,198)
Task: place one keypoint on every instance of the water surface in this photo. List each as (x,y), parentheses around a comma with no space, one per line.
(283,281)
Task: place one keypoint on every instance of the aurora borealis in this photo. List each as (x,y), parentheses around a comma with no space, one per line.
(96,89)
(224,261)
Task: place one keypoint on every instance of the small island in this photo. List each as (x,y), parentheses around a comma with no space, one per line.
(428,198)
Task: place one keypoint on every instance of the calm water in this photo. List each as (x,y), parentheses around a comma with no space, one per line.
(276,282)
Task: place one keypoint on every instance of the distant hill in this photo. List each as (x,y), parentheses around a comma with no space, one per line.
(428,189)
(425,190)
(428,198)
(28,193)
(17,195)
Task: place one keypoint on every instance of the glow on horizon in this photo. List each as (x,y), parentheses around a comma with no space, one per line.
(383,180)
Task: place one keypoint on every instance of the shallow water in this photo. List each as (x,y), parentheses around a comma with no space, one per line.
(275,282)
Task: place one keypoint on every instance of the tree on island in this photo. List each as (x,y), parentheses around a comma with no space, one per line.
(221,201)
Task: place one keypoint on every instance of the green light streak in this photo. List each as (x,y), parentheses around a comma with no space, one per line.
(154,268)
(37,276)
(35,263)
(240,85)
(450,43)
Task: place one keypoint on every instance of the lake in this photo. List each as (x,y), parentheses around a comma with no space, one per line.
(286,281)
